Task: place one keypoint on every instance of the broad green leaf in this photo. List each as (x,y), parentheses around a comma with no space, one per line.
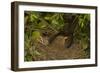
(36,35)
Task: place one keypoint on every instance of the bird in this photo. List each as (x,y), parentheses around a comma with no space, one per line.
(68,29)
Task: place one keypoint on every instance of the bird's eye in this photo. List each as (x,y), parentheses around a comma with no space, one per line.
(45,33)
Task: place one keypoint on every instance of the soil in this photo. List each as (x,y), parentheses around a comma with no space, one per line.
(57,51)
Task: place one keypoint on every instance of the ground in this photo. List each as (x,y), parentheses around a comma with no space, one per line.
(56,51)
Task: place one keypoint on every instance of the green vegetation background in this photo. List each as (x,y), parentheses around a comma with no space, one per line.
(36,23)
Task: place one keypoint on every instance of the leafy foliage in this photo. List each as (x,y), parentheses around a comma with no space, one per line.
(37,23)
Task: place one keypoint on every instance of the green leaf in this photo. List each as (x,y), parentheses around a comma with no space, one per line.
(34,16)
(36,52)
(41,25)
(82,25)
(84,43)
(36,35)
(54,22)
(47,18)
